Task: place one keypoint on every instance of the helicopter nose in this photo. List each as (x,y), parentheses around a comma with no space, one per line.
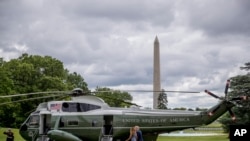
(23,127)
(23,131)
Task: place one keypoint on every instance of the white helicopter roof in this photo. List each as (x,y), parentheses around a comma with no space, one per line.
(90,100)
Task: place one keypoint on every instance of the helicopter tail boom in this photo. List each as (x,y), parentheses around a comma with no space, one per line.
(216,111)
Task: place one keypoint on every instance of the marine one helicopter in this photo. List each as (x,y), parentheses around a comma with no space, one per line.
(89,118)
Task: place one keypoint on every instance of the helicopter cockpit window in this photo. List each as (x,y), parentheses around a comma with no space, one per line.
(78,107)
(34,120)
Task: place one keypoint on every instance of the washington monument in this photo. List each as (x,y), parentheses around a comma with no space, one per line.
(157,74)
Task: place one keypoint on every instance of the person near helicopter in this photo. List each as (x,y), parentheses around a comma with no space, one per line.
(10,135)
(139,133)
(132,135)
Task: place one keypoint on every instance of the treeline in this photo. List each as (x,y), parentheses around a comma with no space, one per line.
(31,73)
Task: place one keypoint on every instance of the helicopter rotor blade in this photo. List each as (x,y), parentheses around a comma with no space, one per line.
(159,91)
(226,91)
(226,88)
(35,93)
(31,99)
(213,95)
(231,114)
(240,98)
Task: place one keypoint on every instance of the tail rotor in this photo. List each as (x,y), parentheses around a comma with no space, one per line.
(222,98)
(213,95)
(231,114)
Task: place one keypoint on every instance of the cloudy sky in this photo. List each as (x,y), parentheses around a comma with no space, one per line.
(110,42)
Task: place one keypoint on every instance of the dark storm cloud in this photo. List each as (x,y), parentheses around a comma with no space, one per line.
(45,25)
(157,12)
(110,42)
(41,29)
(219,17)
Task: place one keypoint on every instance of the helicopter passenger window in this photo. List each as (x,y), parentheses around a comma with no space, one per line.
(34,120)
(88,107)
(78,107)
(69,107)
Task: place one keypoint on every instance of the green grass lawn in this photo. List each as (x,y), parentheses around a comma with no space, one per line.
(160,138)
(195,138)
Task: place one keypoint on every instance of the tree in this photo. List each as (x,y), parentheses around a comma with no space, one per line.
(200,109)
(246,67)
(76,81)
(162,100)
(240,86)
(32,73)
(114,98)
(180,108)
(6,86)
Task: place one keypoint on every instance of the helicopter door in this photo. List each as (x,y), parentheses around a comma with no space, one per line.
(45,118)
(108,124)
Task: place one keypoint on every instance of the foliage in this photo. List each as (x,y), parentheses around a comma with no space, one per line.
(162,100)
(240,86)
(246,67)
(180,108)
(76,81)
(114,98)
(32,73)
(200,109)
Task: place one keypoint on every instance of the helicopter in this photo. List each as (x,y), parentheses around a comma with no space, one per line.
(89,118)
